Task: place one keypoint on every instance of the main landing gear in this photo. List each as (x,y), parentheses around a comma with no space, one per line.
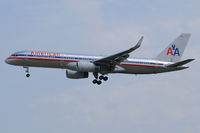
(96,81)
(27,72)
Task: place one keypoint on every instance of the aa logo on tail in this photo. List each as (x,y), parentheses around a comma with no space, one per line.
(173,50)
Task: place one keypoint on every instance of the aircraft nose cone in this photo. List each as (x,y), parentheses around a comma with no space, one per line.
(7,61)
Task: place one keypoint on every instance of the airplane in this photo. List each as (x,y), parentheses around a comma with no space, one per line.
(79,66)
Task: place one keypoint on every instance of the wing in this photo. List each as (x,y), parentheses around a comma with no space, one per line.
(119,57)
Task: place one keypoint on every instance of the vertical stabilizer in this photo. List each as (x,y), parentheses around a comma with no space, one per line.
(175,50)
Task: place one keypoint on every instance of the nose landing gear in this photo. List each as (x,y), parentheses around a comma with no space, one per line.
(27,72)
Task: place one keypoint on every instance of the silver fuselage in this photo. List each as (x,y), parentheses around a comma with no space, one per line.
(60,60)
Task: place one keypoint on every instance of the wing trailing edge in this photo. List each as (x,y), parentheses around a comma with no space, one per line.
(119,57)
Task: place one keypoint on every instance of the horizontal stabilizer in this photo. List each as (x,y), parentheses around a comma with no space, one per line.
(180,63)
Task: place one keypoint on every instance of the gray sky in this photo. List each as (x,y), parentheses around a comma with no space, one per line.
(49,102)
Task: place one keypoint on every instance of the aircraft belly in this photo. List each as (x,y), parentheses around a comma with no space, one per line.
(44,63)
(137,70)
(141,70)
(17,62)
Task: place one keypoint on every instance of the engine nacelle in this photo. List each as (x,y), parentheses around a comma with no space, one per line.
(83,66)
(76,75)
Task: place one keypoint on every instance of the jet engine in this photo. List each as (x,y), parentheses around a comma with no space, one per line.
(76,75)
(82,66)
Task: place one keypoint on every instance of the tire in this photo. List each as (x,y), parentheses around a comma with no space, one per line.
(94,81)
(101,77)
(99,82)
(28,75)
(105,78)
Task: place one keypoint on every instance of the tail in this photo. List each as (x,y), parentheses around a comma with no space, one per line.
(175,50)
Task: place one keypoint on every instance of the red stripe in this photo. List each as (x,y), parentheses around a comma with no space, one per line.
(140,65)
(42,59)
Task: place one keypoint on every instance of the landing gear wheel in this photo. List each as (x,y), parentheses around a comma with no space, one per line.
(101,77)
(28,75)
(99,82)
(27,71)
(94,81)
(105,78)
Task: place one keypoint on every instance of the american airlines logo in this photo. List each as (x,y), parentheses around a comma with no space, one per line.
(173,50)
(45,53)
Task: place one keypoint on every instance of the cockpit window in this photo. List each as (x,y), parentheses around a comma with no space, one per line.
(14,55)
